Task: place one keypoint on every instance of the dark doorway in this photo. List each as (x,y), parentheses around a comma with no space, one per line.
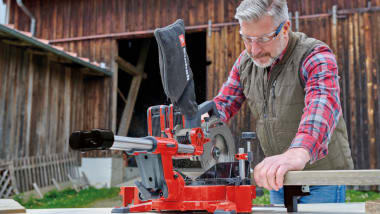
(151,91)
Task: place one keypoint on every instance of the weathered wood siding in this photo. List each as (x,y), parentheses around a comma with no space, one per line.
(355,42)
(41,102)
(357,52)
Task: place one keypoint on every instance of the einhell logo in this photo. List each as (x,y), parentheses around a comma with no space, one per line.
(182,40)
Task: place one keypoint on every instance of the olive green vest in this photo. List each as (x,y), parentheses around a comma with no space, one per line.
(277,104)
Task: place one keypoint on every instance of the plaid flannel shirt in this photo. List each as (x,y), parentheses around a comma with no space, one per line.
(322,104)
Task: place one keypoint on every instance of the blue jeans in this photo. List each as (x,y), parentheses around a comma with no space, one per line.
(318,194)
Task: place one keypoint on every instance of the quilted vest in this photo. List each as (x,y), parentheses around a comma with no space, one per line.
(277,104)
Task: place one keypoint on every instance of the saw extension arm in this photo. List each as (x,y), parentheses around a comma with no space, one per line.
(153,155)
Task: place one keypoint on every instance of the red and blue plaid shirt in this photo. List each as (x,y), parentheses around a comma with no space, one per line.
(322,104)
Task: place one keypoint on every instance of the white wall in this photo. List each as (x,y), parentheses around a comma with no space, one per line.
(103,171)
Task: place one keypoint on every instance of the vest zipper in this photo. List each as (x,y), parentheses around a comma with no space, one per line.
(265,113)
(273,97)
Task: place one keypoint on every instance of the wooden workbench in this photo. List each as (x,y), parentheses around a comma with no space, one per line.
(332,177)
(303,208)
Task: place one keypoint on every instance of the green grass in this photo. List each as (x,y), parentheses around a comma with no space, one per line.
(67,198)
(359,196)
(351,196)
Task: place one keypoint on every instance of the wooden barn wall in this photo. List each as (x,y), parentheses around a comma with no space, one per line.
(358,59)
(41,102)
(58,19)
(355,44)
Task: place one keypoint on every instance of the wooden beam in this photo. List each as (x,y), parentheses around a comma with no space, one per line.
(16,43)
(129,106)
(333,177)
(143,55)
(114,69)
(122,95)
(128,67)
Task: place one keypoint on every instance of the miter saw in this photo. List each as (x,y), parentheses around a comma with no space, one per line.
(176,131)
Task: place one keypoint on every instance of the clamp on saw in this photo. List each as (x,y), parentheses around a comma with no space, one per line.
(176,131)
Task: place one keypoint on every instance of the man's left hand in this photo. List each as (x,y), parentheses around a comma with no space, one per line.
(270,172)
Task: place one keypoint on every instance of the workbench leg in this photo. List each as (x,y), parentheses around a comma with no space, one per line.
(291,194)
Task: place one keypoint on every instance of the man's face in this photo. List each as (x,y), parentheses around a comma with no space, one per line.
(263,55)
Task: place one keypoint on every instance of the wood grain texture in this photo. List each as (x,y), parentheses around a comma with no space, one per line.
(333,177)
(358,65)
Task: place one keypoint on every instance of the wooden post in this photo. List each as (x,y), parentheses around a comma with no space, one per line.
(133,91)
(56,184)
(114,68)
(370,90)
(29,173)
(38,190)
(13,178)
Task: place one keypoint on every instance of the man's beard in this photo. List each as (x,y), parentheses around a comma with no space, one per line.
(272,59)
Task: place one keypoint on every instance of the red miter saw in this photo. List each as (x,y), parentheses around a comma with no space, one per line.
(176,131)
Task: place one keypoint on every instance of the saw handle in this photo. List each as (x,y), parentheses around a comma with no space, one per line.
(205,107)
(208,107)
(96,139)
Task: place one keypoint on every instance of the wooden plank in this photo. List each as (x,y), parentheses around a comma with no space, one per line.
(56,184)
(11,206)
(37,189)
(370,84)
(59,168)
(372,207)
(364,137)
(333,177)
(351,77)
(29,172)
(13,177)
(114,69)
(29,101)
(4,63)
(43,164)
(23,171)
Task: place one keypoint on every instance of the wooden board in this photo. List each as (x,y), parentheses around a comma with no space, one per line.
(11,206)
(372,207)
(333,177)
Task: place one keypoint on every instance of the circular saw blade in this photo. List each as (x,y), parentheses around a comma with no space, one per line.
(221,148)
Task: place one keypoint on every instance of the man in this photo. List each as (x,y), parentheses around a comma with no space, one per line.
(291,85)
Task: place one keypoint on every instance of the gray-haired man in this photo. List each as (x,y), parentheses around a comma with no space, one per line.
(290,82)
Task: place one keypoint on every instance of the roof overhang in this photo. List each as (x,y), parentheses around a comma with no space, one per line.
(25,38)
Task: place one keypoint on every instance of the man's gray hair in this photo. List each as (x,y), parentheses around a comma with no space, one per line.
(252,10)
